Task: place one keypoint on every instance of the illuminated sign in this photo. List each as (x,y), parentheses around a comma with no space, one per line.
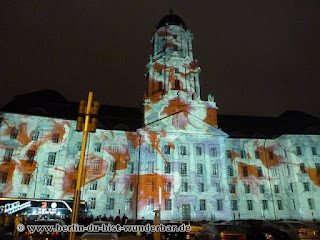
(14,207)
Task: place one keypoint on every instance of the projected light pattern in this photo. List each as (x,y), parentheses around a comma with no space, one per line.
(179,162)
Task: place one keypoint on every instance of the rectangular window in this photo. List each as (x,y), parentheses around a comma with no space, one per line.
(216,187)
(35,136)
(3,177)
(202,203)
(234,205)
(318,168)
(128,204)
(168,204)
(265,204)
(55,137)
(288,170)
(259,171)
(129,186)
(48,180)
(115,148)
(199,168)
(150,187)
(302,168)
(30,155)
(22,195)
(14,134)
(110,203)
(160,73)
(271,155)
(198,151)
(276,188)
(183,169)
(201,187)
(167,167)
(228,153)
(8,155)
(219,205)
(306,187)
(52,158)
(250,205)
(184,187)
(291,187)
(26,177)
(94,185)
(44,196)
(113,166)
(243,154)
(230,171)
(298,149)
(247,188)
(111,186)
(150,167)
(150,148)
(92,203)
(166,149)
(213,152)
(311,203)
(97,147)
(176,70)
(183,150)
(167,186)
(274,172)
(79,145)
(232,188)
(130,167)
(96,165)
(280,207)
(293,204)
(215,169)
(150,204)
(257,154)
(245,171)
(314,150)
(176,84)
(262,188)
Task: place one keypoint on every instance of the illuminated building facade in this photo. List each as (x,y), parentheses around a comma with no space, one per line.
(179,161)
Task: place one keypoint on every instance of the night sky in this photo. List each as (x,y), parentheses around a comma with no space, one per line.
(257,57)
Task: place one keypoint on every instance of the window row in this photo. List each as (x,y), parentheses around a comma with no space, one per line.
(183,150)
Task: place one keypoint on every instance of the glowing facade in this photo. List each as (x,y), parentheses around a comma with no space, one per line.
(179,161)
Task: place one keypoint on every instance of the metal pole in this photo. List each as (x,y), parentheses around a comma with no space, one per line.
(77,193)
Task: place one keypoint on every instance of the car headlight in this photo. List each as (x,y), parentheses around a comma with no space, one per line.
(269,236)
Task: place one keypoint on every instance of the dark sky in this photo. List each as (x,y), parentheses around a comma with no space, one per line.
(257,57)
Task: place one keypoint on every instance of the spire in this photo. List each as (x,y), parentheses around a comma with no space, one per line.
(171,11)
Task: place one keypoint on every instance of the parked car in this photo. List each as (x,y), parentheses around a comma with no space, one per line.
(260,230)
(219,231)
(46,235)
(298,230)
(195,226)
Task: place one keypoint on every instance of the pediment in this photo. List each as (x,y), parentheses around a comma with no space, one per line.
(184,122)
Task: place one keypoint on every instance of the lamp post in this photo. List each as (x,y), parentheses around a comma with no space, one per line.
(89,125)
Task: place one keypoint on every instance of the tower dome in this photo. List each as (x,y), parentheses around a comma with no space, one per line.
(171,19)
